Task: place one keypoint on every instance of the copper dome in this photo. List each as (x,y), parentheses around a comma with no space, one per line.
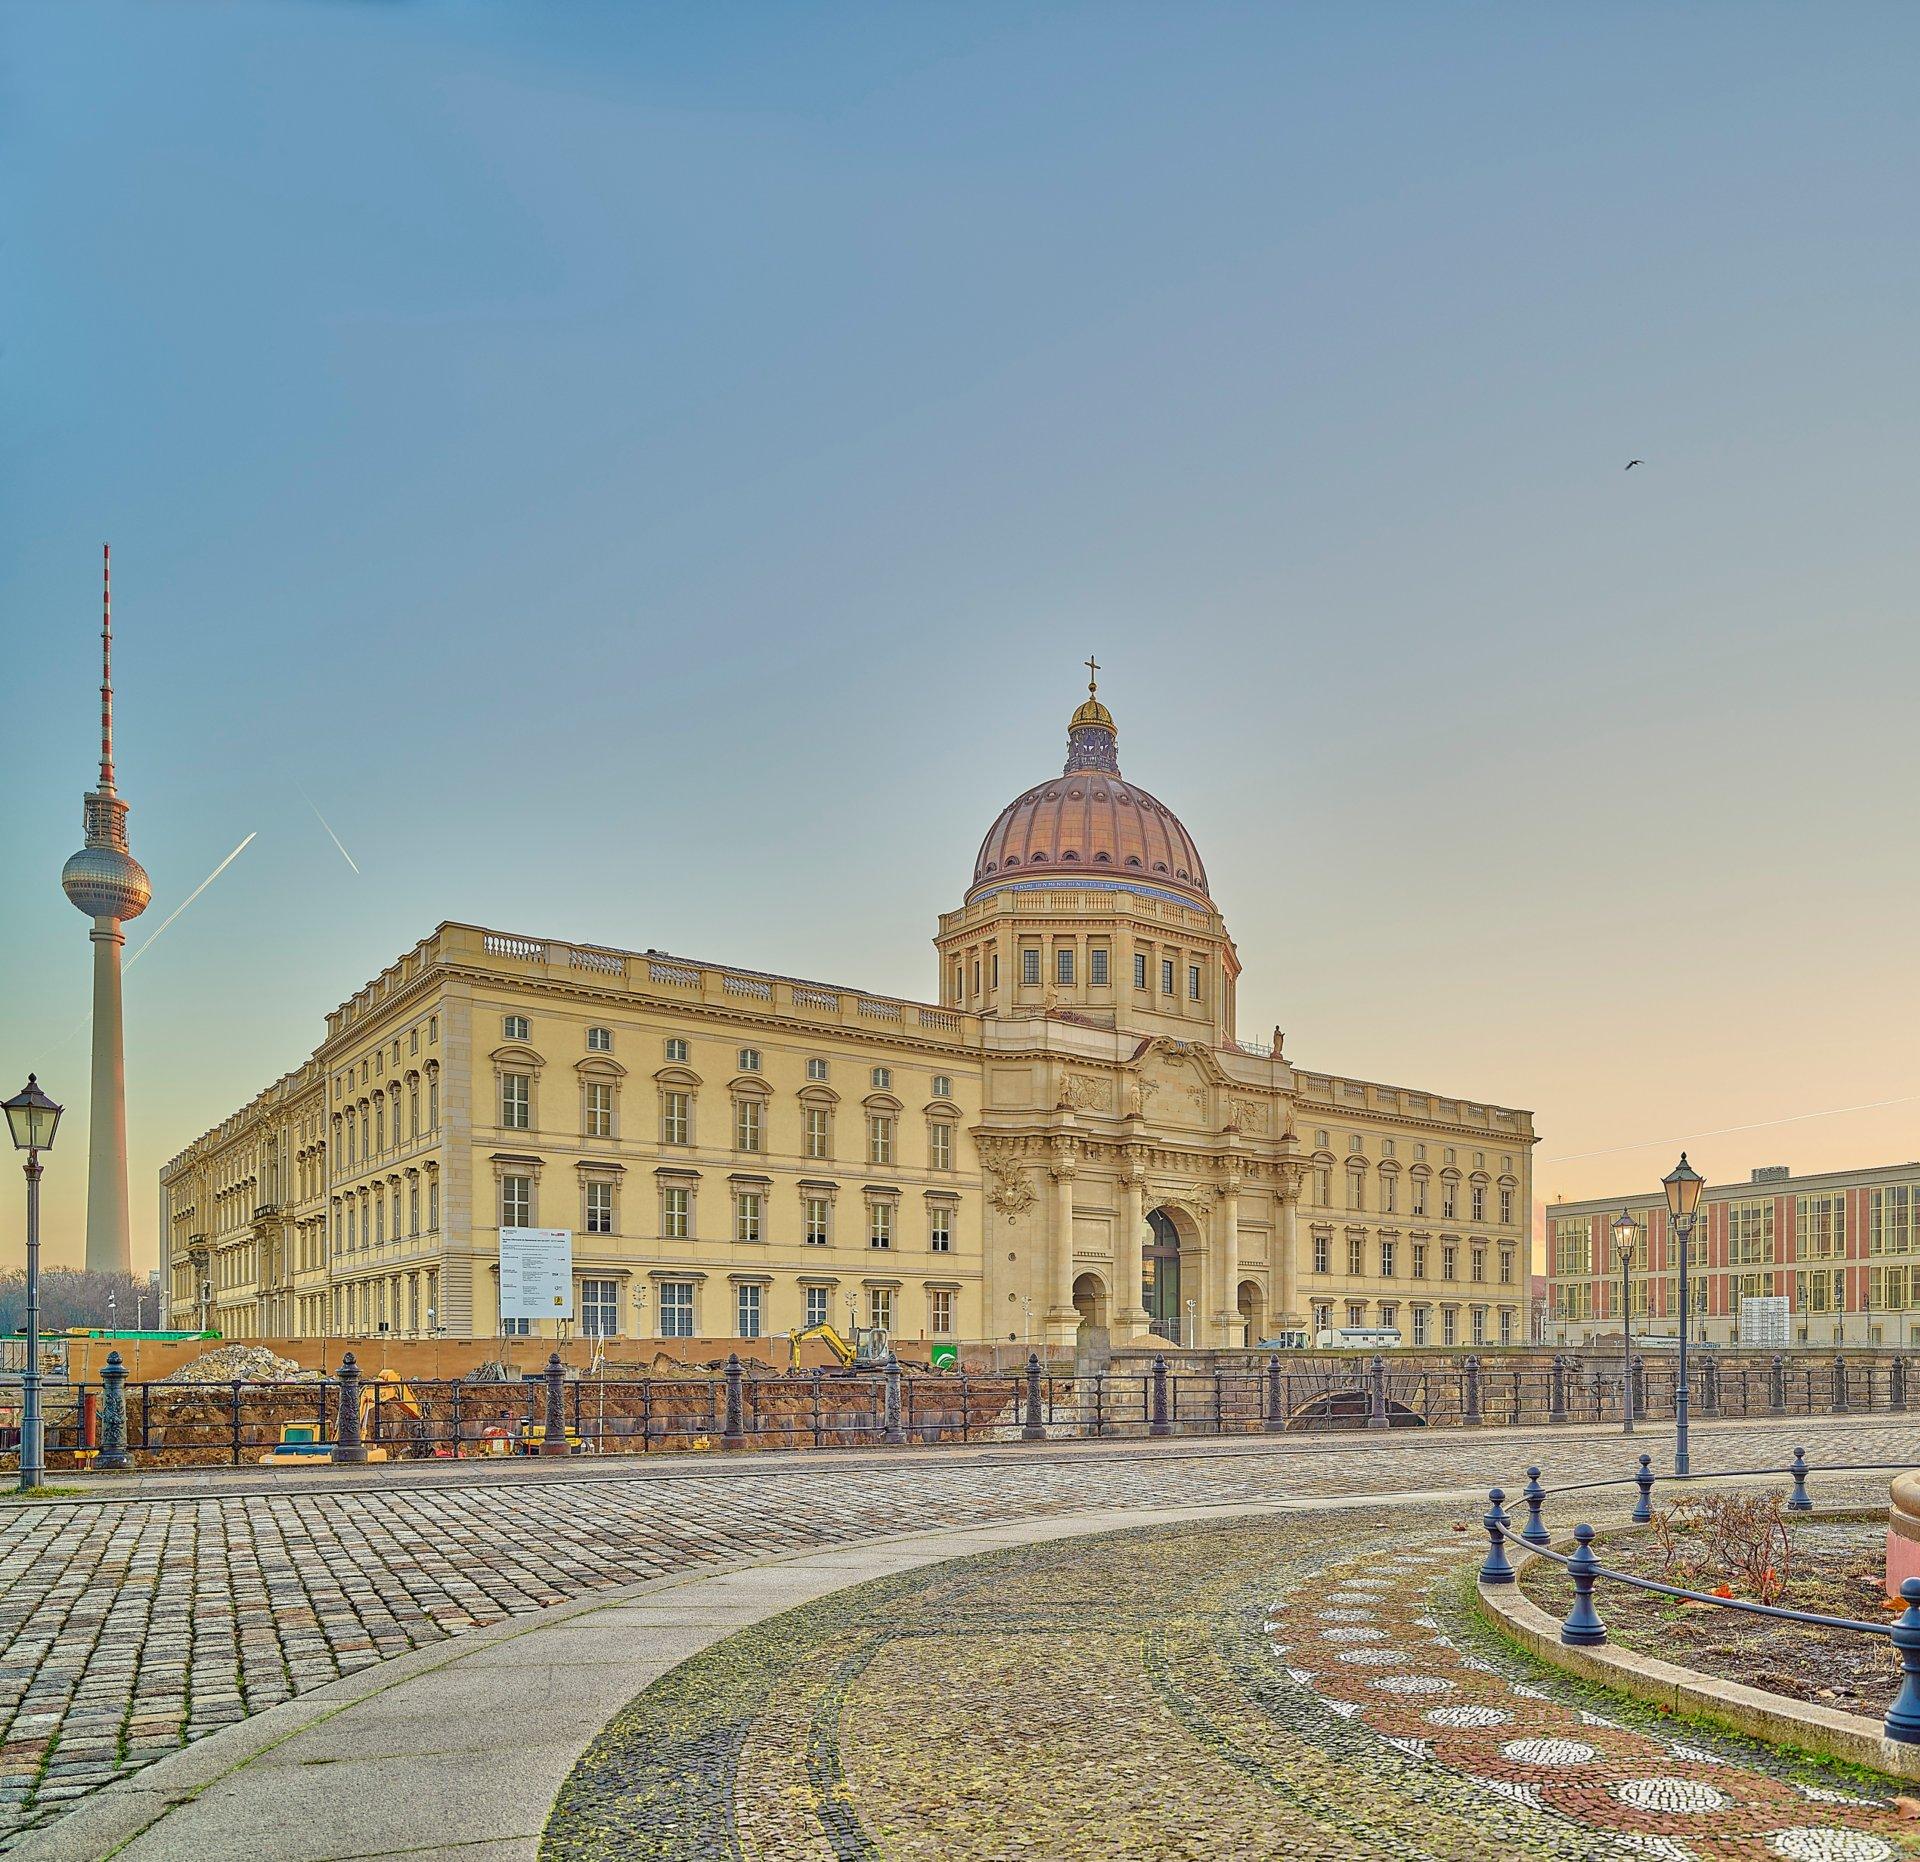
(1089,824)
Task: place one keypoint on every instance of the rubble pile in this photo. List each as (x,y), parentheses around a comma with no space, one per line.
(252,1364)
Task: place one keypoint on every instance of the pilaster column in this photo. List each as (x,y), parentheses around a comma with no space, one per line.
(1287,1245)
(1062,1321)
(1129,1314)
(1226,1321)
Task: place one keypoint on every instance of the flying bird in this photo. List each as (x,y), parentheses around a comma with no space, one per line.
(1631,463)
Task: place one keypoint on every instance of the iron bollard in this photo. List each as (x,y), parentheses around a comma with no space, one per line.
(1640,1387)
(1495,1568)
(1472,1408)
(893,1435)
(1159,1425)
(1035,1430)
(1558,1411)
(1897,1384)
(1377,1392)
(113,1416)
(1797,1501)
(553,1436)
(1643,1507)
(348,1448)
(1583,1627)
(1903,1717)
(1710,1386)
(1533,1532)
(1777,1385)
(1840,1403)
(1276,1421)
(733,1433)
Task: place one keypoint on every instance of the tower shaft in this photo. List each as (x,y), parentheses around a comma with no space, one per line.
(109,1234)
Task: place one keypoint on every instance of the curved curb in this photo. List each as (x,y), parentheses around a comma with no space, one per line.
(1775,1718)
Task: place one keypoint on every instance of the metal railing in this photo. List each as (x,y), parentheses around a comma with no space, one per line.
(174,1424)
(1584,1627)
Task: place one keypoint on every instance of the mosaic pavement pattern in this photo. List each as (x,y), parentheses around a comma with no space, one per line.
(1265,1689)
(131,1626)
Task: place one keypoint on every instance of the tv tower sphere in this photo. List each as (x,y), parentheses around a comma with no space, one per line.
(106,883)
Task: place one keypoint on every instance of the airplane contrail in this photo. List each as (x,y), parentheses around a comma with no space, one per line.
(191,896)
(325,823)
(1722,1131)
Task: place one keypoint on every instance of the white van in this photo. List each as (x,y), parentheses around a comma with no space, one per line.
(1358,1338)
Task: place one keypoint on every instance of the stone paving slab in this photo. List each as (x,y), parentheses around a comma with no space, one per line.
(130,1627)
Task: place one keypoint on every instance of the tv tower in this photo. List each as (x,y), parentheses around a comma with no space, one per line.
(107,883)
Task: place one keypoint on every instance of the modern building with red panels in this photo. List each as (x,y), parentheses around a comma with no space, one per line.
(1843,1248)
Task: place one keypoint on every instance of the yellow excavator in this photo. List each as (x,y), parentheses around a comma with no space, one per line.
(867,1352)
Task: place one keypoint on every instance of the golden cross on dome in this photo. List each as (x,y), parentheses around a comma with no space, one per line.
(1093,673)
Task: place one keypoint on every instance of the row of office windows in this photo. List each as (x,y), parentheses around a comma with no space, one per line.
(364,1131)
(1418,1195)
(366,1218)
(1390,1151)
(1820,1229)
(678,1309)
(1417,1256)
(1484,1325)
(380,1059)
(750,1214)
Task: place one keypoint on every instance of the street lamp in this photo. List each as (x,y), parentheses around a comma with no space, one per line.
(33,1118)
(1683,1185)
(1626,1239)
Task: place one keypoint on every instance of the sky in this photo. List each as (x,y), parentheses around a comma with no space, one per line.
(650,475)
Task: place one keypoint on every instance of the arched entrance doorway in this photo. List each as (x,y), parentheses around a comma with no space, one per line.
(1252,1307)
(1160,1277)
(1090,1302)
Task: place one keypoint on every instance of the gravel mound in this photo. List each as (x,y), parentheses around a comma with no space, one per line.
(252,1364)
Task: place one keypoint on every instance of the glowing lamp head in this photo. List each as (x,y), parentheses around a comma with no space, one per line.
(32,1117)
(1626,1235)
(1683,1186)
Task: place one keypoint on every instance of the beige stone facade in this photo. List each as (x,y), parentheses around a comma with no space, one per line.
(1071,1145)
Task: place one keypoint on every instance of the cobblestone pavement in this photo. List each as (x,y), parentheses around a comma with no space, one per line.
(130,1626)
(1310,1685)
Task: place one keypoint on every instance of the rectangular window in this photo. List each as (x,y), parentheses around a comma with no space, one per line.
(816,1069)
(880,1225)
(1356,1189)
(882,1078)
(600,1308)
(880,1307)
(516,1202)
(1479,1263)
(516,1097)
(940,1228)
(1193,982)
(1449,1199)
(1322,1318)
(1323,1254)
(1386,1259)
(1389,1312)
(1449,1326)
(1139,969)
(413,1110)
(1063,966)
(816,1215)
(746,1124)
(1356,1312)
(749,1060)
(599,1109)
(512,1027)
(747,1208)
(879,1138)
(940,1145)
(676,1048)
(433,1100)
(1420,1325)
(1356,1254)
(940,1311)
(1419,1203)
(599,1040)
(1166,976)
(599,1208)
(1030,967)
(817,1301)
(413,1206)
(676,1211)
(1478,1329)
(819,1131)
(676,1309)
(746,1312)
(1449,1262)
(1506,1325)
(433,1202)
(942,1086)
(1097,968)
(1419,1260)
(1389,1195)
(1823,1227)
(1506,1221)
(1506,1267)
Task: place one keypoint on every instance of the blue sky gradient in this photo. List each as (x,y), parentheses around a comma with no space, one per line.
(650,474)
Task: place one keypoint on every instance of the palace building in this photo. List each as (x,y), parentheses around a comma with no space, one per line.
(1072,1145)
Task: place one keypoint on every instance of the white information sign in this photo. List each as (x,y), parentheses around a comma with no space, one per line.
(1764,1321)
(536,1273)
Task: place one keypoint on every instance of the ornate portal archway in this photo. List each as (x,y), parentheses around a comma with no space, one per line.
(1166,1289)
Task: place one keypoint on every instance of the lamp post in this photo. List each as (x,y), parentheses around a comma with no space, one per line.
(1626,1238)
(1683,1185)
(32,1118)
